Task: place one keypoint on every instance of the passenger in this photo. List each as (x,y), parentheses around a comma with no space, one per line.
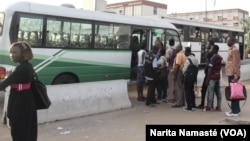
(189,88)
(141,55)
(21,109)
(209,54)
(233,73)
(213,80)
(178,77)
(162,82)
(159,44)
(151,76)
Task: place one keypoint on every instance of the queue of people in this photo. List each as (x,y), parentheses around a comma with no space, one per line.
(175,91)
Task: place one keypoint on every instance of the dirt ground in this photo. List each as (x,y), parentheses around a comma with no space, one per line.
(129,124)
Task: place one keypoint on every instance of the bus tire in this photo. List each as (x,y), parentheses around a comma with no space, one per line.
(65,79)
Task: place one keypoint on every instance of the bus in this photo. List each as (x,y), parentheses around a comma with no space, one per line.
(73,45)
(197,34)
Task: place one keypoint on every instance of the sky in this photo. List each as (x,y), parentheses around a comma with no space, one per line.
(174,6)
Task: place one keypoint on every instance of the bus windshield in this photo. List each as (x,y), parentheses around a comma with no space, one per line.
(1,23)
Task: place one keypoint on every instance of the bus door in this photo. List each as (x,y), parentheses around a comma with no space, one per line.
(139,36)
(240,40)
(203,42)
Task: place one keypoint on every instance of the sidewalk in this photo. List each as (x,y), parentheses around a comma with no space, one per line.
(129,124)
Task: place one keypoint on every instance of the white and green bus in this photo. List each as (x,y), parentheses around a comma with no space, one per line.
(73,45)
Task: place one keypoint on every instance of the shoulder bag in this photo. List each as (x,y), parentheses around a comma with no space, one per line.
(40,92)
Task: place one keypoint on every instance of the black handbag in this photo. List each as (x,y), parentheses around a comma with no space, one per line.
(40,92)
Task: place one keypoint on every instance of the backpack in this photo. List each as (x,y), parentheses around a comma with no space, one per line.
(190,76)
(172,57)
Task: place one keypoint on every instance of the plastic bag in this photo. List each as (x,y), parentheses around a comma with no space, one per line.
(237,91)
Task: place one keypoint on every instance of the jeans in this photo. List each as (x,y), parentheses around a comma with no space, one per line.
(235,104)
(214,87)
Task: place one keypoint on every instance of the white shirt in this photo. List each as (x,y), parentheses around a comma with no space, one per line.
(162,62)
(169,52)
(194,61)
(139,54)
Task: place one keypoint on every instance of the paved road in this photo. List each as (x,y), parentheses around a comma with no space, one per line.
(129,124)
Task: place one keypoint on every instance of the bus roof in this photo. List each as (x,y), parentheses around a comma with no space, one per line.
(61,11)
(201,24)
(198,24)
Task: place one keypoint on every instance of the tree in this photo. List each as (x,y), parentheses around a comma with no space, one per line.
(246,27)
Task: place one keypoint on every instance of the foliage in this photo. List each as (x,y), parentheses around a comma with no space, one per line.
(246,27)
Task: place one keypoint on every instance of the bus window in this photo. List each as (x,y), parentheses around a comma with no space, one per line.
(53,28)
(172,34)
(85,35)
(75,34)
(123,37)
(180,31)
(101,31)
(158,36)
(194,33)
(214,35)
(30,28)
(58,32)
(224,36)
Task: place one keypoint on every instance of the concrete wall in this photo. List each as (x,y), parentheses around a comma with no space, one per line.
(83,99)
(75,100)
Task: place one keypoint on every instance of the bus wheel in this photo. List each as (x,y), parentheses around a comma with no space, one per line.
(65,79)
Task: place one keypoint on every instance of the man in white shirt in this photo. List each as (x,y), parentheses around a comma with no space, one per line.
(141,55)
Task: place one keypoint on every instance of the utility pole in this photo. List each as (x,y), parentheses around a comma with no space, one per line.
(205,10)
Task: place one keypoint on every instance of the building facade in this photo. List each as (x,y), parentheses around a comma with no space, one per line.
(227,17)
(95,5)
(138,8)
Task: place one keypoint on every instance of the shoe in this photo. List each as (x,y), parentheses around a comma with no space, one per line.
(207,109)
(230,114)
(187,110)
(200,107)
(218,109)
